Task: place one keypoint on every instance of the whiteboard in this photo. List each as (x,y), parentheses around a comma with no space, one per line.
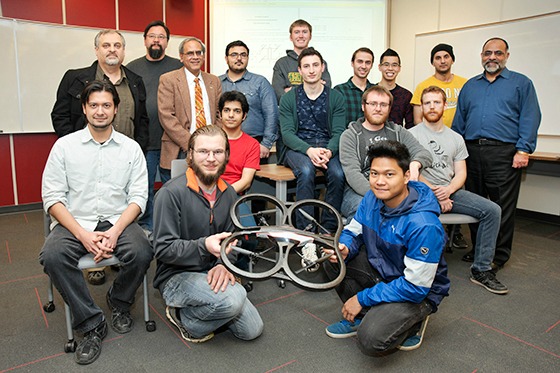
(339,28)
(534,46)
(34,62)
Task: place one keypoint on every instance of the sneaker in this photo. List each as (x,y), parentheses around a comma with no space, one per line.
(121,321)
(488,280)
(96,277)
(415,341)
(172,314)
(459,241)
(468,257)
(309,256)
(343,329)
(89,348)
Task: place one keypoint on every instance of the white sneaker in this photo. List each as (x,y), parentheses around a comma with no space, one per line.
(309,253)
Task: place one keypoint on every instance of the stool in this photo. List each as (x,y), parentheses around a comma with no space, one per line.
(454,219)
(87,262)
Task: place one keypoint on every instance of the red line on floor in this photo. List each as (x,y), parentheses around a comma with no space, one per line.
(8,251)
(282,297)
(32,362)
(25,216)
(315,317)
(22,279)
(553,326)
(281,366)
(41,308)
(474,371)
(513,337)
(171,327)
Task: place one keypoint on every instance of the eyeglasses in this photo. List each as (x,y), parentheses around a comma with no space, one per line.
(206,153)
(387,64)
(191,54)
(497,53)
(374,104)
(154,36)
(236,55)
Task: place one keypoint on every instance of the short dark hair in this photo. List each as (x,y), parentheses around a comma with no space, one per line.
(379,89)
(364,50)
(233,96)
(496,38)
(301,23)
(99,86)
(433,89)
(390,53)
(154,24)
(211,130)
(237,43)
(309,52)
(390,149)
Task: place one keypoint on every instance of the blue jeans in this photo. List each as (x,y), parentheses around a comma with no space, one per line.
(488,213)
(203,311)
(60,255)
(386,325)
(350,203)
(304,171)
(152,161)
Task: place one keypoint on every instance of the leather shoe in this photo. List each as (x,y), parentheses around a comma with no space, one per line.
(121,321)
(468,257)
(89,348)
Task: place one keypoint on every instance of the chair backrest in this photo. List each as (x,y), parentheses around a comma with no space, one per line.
(178,167)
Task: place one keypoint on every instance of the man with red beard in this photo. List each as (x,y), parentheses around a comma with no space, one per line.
(367,131)
(150,67)
(446,177)
(191,218)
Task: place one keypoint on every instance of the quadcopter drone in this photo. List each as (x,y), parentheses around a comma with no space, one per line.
(286,250)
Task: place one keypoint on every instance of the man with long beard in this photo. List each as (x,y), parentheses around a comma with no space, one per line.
(150,67)
(191,218)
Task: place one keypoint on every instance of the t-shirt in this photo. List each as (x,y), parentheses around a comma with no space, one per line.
(452,90)
(446,148)
(244,152)
(401,110)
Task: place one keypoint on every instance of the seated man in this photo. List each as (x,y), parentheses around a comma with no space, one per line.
(372,128)
(312,117)
(244,160)
(447,176)
(95,184)
(395,272)
(191,218)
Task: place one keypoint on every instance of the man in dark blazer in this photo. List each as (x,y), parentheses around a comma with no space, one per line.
(132,120)
(176,103)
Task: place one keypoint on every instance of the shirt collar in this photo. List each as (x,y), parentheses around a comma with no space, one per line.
(246,76)
(191,76)
(86,136)
(506,74)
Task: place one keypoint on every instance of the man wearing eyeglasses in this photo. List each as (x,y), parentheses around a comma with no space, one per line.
(369,130)
(262,119)
(187,100)
(131,120)
(401,110)
(353,89)
(150,67)
(498,115)
(191,218)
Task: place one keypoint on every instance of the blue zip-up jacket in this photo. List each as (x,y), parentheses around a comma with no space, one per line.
(404,245)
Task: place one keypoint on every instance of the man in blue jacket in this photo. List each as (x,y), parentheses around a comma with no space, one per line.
(396,275)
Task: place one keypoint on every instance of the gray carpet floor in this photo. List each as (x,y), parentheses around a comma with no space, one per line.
(473,331)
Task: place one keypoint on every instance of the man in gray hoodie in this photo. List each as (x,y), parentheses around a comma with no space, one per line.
(285,74)
(374,127)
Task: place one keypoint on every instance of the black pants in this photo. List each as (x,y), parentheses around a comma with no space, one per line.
(490,174)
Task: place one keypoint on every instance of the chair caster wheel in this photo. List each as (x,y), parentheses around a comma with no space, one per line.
(70,346)
(281,284)
(150,326)
(248,287)
(49,307)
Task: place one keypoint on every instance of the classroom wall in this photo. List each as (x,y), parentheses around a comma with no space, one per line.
(23,156)
(411,17)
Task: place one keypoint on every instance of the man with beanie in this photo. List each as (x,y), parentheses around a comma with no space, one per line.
(442,58)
